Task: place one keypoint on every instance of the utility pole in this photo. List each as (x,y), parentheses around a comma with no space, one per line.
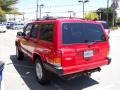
(37,10)
(14,17)
(107,10)
(83,1)
(23,14)
(41,6)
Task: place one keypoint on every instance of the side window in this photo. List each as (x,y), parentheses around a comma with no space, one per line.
(46,32)
(34,31)
(27,29)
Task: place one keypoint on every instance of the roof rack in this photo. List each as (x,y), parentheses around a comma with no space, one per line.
(54,18)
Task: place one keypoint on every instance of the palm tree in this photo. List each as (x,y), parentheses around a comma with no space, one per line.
(114,6)
(6,6)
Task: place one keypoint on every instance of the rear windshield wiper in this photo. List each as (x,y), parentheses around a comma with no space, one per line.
(94,41)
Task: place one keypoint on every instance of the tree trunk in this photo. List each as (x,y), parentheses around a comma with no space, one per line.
(113,18)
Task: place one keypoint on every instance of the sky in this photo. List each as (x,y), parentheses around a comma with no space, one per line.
(59,7)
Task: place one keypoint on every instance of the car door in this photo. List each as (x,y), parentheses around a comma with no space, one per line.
(33,39)
(24,41)
(46,42)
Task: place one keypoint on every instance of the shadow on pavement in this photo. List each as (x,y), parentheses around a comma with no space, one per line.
(27,72)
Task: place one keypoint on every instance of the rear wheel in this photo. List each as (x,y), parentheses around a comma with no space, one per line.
(41,74)
(19,54)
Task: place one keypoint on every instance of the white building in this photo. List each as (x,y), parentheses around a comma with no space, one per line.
(14,18)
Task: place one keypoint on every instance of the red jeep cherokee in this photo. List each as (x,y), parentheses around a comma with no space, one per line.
(65,47)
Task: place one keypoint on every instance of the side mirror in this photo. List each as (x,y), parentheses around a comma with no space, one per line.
(19,34)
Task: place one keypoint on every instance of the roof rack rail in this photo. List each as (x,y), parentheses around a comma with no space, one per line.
(54,18)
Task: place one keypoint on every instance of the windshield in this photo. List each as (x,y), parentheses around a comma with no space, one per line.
(105,25)
(81,33)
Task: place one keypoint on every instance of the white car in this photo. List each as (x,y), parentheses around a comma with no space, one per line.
(17,26)
(2,28)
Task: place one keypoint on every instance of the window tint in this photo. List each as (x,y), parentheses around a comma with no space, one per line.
(46,32)
(27,29)
(34,31)
(81,33)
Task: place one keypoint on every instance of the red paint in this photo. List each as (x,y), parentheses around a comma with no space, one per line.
(71,56)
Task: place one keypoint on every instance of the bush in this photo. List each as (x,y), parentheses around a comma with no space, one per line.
(2,18)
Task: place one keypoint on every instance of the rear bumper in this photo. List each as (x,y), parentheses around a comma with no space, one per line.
(109,60)
(86,67)
(76,69)
(55,69)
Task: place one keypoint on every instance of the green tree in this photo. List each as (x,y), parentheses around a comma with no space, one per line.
(114,6)
(91,16)
(6,7)
(118,21)
(2,15)
(1,12)
(102,12)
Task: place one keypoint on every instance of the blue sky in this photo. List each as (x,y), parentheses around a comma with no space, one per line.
(59,7)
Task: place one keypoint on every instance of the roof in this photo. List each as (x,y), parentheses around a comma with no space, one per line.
(66,20)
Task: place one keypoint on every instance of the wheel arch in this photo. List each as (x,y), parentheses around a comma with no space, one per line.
(35,56)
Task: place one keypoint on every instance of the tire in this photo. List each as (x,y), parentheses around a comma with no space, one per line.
(41,74)
(19,54)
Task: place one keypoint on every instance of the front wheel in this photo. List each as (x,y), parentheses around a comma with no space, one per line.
(19,54)
(41,74)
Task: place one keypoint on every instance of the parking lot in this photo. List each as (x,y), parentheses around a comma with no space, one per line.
(20,75)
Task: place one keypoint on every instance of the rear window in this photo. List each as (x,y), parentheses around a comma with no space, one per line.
(82,33)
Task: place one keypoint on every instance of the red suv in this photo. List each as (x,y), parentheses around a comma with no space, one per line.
(66,47)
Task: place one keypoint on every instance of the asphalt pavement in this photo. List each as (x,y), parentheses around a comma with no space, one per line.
(20,75)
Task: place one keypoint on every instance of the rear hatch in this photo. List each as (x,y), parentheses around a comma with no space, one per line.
(84,46)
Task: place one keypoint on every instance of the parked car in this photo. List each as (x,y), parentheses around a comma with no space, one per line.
(65,47)
(17,26)
(8,24)
(105,26)
(2,28)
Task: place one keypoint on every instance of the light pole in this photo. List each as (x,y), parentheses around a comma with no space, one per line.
(83,1)
(41,6)
(70,13)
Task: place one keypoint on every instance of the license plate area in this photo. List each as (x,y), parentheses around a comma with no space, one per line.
(88,53)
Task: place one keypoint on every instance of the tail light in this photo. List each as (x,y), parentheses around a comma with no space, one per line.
(57,58)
